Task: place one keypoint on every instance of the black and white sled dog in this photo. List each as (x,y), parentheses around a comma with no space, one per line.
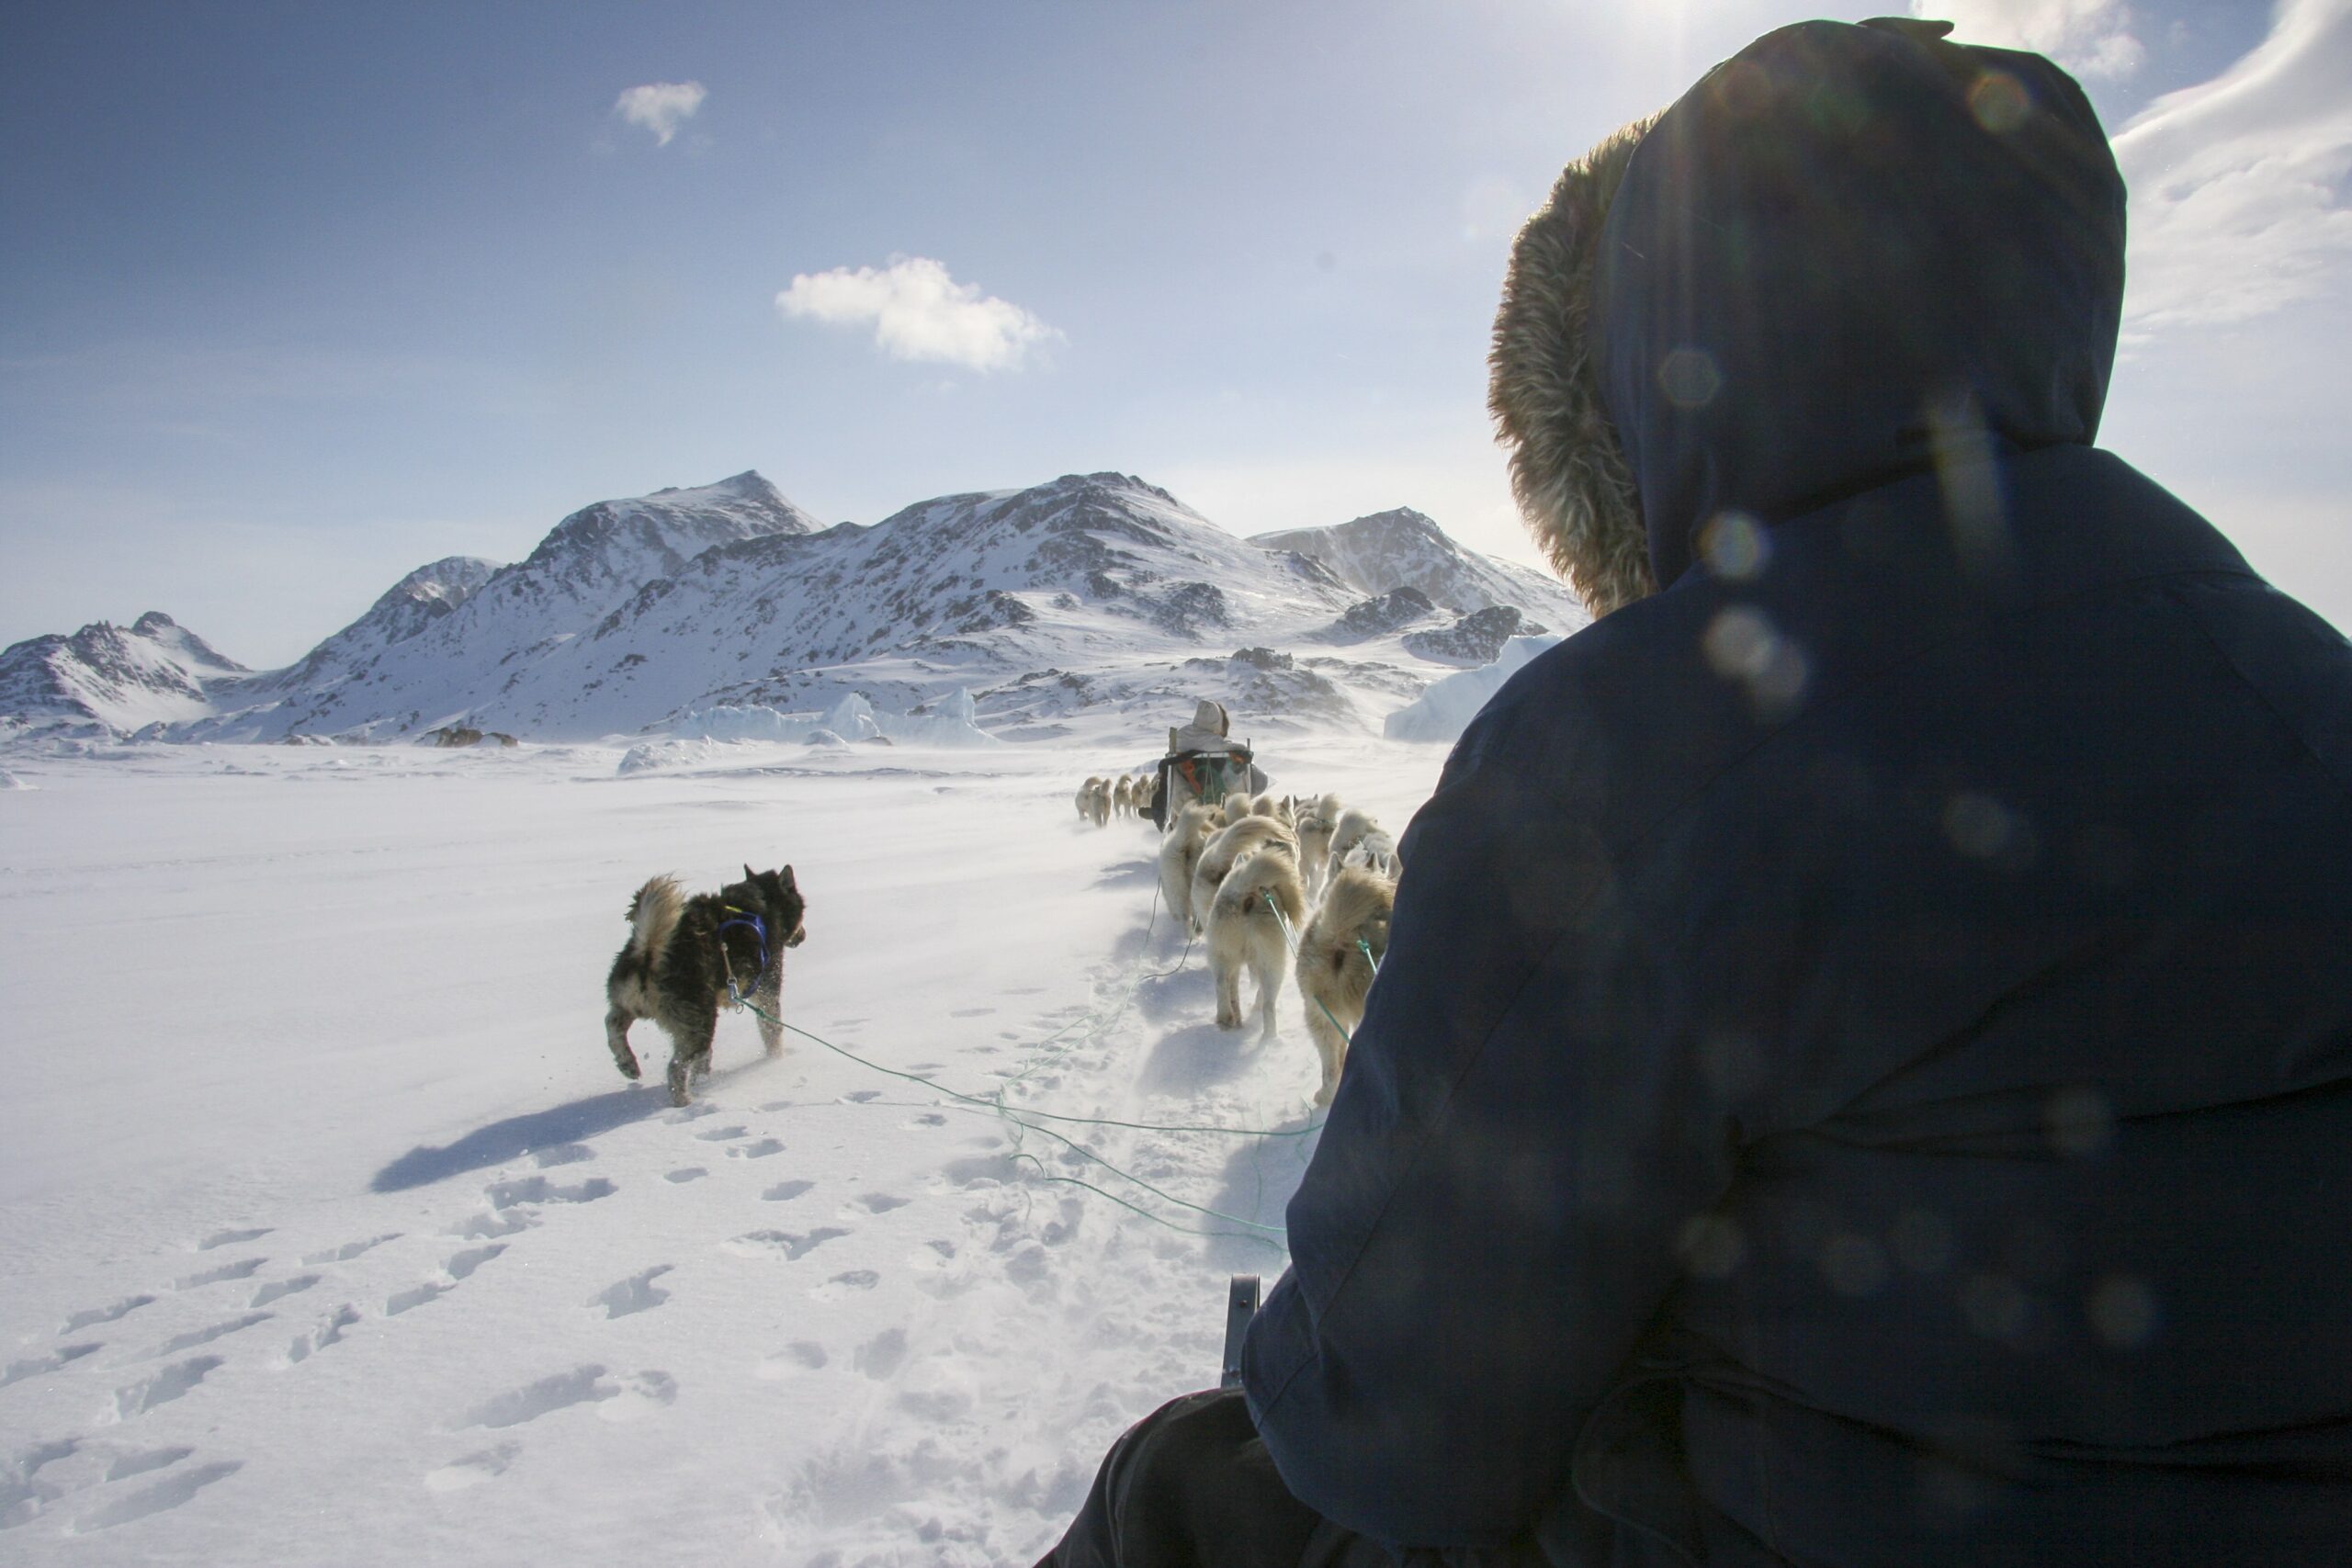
(686,956)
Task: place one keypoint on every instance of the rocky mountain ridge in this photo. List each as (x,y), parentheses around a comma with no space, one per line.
(1088,591)
(155,671)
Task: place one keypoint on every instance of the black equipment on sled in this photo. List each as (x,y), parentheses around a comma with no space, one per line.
(1204,765)
(1241,1294)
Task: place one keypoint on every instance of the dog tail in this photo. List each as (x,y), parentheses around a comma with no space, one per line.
(653,915)
(1268,870)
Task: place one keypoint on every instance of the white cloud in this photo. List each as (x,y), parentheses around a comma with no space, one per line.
(661,107)
(918,312)
(2238,184)
(2090,37)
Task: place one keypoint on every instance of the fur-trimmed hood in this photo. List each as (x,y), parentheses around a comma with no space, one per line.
(1567,468)
(1844,250)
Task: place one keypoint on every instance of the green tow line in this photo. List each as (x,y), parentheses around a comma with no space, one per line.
(1252,1230)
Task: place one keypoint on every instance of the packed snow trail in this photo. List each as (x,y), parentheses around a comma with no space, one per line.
(335,1237)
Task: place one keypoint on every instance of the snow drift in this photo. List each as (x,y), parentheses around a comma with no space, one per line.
(953,720)
(1446,710)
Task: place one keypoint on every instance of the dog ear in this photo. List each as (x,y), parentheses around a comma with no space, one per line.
(786,874)
(750,875)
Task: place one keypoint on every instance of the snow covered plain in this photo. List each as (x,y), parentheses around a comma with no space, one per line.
(333,1236)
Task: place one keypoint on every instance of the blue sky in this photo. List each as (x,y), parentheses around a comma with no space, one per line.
(295,298)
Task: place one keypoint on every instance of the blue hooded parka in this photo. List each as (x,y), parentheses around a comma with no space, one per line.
(1862,1071)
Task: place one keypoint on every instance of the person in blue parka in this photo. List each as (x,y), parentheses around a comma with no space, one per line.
(1862,1072)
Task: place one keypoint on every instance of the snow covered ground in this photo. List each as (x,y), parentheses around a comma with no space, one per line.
(333,1237)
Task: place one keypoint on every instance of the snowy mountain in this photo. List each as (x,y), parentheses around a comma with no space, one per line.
(1403,549)
(155,672)
(435,645)
(408,607)
(1091,591)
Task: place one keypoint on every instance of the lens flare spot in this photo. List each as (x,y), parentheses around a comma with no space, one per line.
(2123,1312)
(1999,102)
(1712,1246)
(1688,378)
(2079,1121)
(1741,643)
(1734,545)
(1978,824)
(1742,89)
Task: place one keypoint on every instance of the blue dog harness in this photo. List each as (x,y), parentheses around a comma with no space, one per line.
(759,930)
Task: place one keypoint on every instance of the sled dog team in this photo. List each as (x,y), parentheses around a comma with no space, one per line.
(1099,799)
(1243,874)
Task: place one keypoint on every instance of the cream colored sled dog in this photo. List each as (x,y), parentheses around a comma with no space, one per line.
(1317,819)
(1245,933)
(1179,851)
(1223,851)
(1357,834)
(1333,973)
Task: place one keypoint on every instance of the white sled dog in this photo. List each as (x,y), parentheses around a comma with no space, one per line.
(1317,819)
(1179,851)
(1123,798)
(1223,851)
(1094,801)
(1271,804)
(1376,852)
(1356,834)
(1333,973)
(1244,932)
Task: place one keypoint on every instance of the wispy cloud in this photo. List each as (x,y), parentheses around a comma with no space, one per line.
(918,312)
(2092,37)
(661,107)
(2238,185)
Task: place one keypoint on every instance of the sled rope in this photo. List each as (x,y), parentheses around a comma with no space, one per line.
(1146,1214)
(990,1103)
(1017,1116)
(1014,1113)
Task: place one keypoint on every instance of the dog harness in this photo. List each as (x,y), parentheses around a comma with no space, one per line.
(759,930)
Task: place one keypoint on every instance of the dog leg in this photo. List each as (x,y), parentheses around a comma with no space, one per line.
(690,1056)
(1266,967)
(1329,1043)
(616,1024)
(1229,996)
(769,999)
